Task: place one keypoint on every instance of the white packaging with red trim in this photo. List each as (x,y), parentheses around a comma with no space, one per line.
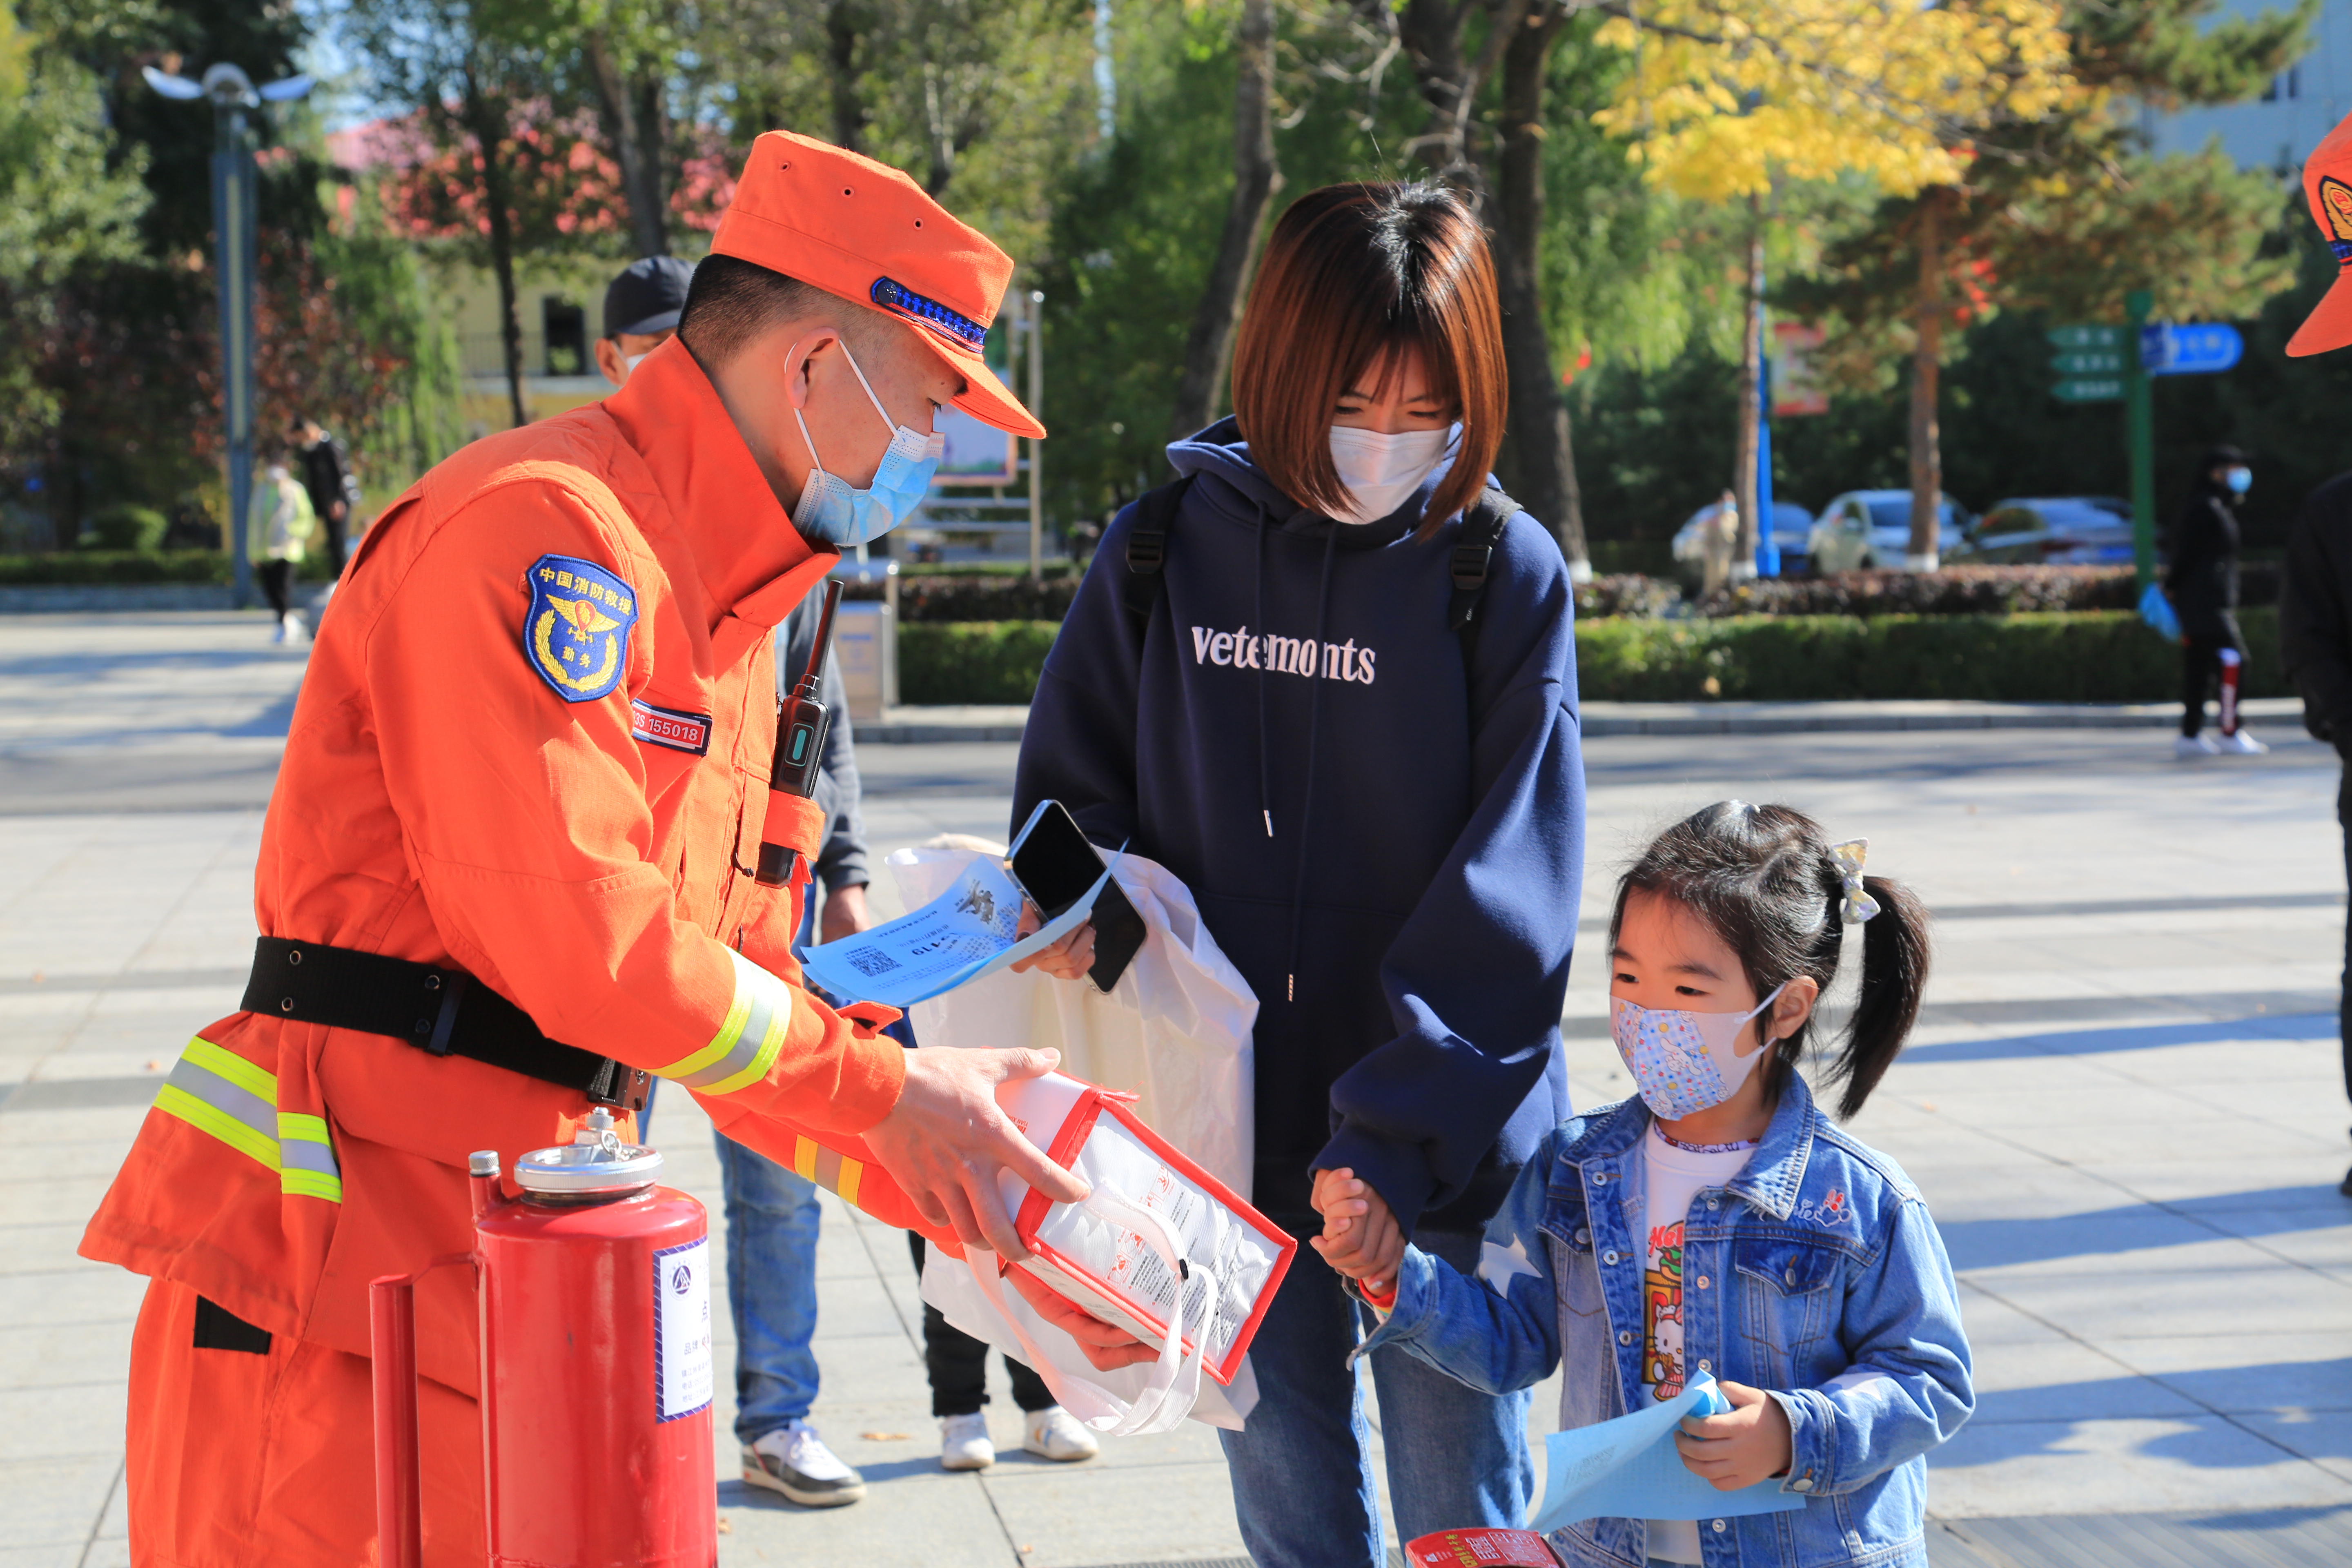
(1155,1226)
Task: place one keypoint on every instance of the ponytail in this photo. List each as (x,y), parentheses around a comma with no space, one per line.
(1893,979)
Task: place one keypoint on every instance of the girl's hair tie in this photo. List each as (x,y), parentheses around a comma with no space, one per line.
(1846,859)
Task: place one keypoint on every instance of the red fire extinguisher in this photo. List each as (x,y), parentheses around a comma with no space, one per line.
(594,1289)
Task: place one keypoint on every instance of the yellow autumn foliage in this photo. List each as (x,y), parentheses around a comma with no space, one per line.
(1726,96)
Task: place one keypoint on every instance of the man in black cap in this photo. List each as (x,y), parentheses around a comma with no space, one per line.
(2201,581)
(641,309)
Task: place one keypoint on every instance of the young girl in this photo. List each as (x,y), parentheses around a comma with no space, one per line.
(1720,1222)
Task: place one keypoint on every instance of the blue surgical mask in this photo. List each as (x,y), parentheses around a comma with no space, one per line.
(2241,480)
(831,511)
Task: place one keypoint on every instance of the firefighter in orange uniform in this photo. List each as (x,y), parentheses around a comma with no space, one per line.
(508,871)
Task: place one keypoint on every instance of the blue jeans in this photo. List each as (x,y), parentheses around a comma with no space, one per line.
(1457,1458)
(771,1216)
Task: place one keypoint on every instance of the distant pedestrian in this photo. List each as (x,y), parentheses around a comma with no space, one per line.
(2201,581)
(2316,590)
(333,489)
(641,311)
(278,522)
(1718,537)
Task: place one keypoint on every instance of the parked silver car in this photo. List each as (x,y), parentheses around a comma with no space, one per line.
(1873,529)
(2056,530)
(1792,528)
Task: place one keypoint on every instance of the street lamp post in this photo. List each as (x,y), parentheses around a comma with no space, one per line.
(233,97)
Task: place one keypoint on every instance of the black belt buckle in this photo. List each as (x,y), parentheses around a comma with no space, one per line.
(451,986)
(620,1086)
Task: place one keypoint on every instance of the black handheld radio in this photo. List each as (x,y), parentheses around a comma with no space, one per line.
(801,728)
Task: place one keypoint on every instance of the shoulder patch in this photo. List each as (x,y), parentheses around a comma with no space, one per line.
(576,634)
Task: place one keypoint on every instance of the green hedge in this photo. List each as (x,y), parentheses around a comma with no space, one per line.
(971,661)
(2098,657)
(2107,657)
(85,567)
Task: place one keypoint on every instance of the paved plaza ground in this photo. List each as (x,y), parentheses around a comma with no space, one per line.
(2123,1106)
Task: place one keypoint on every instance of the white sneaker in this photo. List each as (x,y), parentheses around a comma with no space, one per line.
(793,1460)
(1054,1434)
(277,633)
(2241,744)
(2193,746)
(963,1443)
(291,628)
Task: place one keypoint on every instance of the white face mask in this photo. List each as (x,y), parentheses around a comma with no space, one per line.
(1380,471)
(1683,1061)
(630,362)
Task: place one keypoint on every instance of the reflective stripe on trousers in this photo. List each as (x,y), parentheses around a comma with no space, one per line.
(216,1091)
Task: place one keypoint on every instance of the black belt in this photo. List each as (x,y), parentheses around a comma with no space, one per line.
(442,1012)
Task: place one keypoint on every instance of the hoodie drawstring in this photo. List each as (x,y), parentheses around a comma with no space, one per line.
(1264,785)
(1314,723)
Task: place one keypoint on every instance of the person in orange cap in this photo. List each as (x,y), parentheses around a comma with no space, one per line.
(508,878)
(2316,589)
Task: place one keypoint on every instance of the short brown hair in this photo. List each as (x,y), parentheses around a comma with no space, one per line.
(731,301)
(1353,275)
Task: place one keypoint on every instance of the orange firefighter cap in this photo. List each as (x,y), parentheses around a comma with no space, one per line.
(866,233)
(2327,187)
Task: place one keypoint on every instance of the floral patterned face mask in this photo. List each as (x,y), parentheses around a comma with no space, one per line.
(1683,1061)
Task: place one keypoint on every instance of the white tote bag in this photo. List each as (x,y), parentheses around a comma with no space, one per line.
(1175,1032)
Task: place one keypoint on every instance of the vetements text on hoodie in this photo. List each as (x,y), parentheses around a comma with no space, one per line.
(1284,656)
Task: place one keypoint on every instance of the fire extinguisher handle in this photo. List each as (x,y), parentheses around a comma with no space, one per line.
(392,1348)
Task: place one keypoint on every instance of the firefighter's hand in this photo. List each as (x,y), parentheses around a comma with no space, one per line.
(1738,1449)
(1107,1345)
(1069,959)
(945,1140)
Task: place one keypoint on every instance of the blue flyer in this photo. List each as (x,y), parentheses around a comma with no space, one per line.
(1630,1469)
(962,934)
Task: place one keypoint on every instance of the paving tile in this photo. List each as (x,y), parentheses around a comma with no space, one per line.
(87,1293)
(2120,1304)
(41,1249)
(54,1502)
(1077,1514)
(2065,1381)
(51,1423)
(63,1354)
(2191,1184)
(60,1554)
(2003,1470)
(2235,1373)
(913,1516)
(2323,1436)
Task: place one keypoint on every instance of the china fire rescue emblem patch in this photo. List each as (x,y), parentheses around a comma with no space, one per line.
(577,632)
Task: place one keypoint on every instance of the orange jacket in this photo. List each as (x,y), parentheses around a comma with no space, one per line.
(455,791)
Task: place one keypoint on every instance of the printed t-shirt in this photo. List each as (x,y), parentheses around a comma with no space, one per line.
(1670,1176)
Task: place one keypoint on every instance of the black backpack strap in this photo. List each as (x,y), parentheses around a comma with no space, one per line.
(1474,555)
(1147,549)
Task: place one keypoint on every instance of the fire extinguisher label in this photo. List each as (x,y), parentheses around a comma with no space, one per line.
(682,1330)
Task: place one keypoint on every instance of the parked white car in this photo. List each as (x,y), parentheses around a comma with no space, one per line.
(1865,529)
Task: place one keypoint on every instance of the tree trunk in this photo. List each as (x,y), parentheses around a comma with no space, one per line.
(635,122)
(1543,461)
(1926,360)
(1255,179)
(485,122)
(841,39)
(1744,477)
(1431,31)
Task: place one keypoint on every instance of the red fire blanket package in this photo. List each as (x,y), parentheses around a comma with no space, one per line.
(1155,1221)
(1480,1548)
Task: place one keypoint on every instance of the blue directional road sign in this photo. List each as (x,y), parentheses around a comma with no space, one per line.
(2202,349)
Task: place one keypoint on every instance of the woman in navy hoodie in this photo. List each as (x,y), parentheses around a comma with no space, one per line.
(1381,816)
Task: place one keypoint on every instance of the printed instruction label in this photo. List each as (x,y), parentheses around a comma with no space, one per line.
(682,1358)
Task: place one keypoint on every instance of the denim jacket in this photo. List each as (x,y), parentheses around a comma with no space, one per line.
(1815,1273)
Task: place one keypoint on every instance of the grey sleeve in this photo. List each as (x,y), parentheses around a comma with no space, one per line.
(842,862)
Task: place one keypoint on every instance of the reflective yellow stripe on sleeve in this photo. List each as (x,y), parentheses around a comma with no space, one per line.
(746,1045)
(216,1091)
(828,1168)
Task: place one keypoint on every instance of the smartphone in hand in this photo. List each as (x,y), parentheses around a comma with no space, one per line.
(1056,864)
